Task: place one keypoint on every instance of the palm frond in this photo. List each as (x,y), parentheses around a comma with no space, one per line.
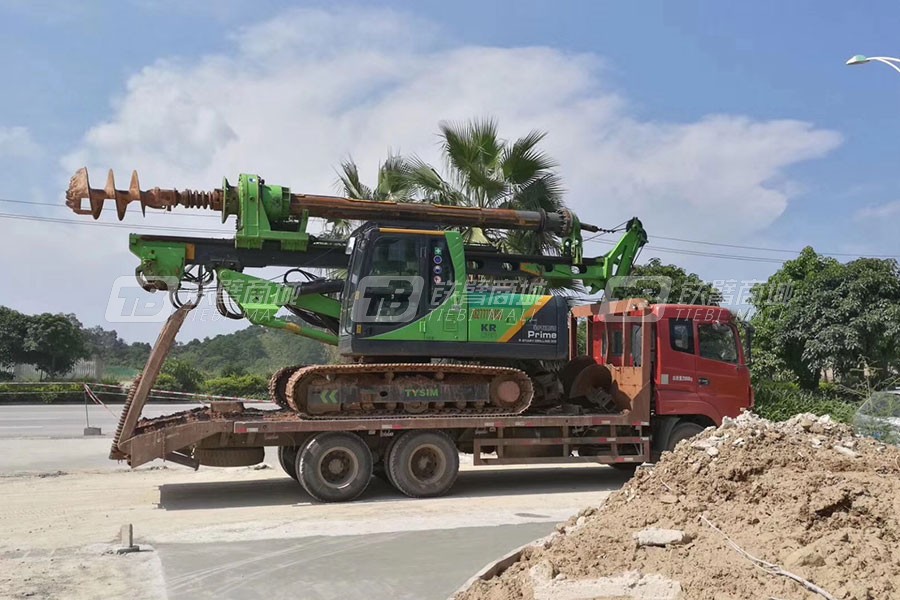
(473,151)
(544,193)
(428,182)
(393,181)
(349,184)
(521,162)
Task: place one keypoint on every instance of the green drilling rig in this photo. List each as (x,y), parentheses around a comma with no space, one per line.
(428,323)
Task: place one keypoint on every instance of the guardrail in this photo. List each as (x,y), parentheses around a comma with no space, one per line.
(117,390)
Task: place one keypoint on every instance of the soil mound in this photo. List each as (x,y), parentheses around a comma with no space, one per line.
(804,495)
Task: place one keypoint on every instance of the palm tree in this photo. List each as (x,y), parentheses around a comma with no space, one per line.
(392,185)
(486,171)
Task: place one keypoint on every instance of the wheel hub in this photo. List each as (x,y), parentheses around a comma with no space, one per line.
(338,467)
(427,464)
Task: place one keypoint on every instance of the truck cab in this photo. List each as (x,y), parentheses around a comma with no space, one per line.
(691,356)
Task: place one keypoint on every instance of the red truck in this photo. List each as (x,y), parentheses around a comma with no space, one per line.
(665,372)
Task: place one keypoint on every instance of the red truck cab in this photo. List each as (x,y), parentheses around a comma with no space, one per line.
(697,364)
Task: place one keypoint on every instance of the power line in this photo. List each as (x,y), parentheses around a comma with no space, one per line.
(737,257)
(673,239)
(99,224)
(744,258)
(593,238)
(109,208)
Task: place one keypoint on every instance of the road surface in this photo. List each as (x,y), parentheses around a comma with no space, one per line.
(246,533)
(69,420)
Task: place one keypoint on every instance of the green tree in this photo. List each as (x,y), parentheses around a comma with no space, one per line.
(392,185)
(816,314)
(652,279)
(114,351)
(13,326)
(53,343)
(181,376)
(483,170)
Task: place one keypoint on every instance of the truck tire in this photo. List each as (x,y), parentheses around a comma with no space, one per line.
(229,457)
(626,468)
(423,464)
(334,466)
(287,458)
(682,431)
(380,470)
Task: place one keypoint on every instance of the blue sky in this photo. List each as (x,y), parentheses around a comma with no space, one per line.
(752,99)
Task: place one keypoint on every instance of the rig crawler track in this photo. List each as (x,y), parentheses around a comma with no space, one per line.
(411,389)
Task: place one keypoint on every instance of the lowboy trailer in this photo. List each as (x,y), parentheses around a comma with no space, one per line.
(664,372)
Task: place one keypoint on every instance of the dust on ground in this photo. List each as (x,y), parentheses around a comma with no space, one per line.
(806,495)
(57,528)
(95,571)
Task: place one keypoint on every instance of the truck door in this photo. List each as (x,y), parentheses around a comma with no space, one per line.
(677,375)
(722,380)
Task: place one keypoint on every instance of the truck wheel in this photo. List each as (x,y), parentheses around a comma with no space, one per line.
(229,457)
(682,431)
(626,468)
(334,466)
(287,458)
(422,464)
(380,470)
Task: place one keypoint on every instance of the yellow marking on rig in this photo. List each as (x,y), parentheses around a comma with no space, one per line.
(411,231)
(541,303)
(190,251)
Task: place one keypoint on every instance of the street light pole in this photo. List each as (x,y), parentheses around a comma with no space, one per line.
(859,59)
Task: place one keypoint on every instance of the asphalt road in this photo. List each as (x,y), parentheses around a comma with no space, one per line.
(68,420)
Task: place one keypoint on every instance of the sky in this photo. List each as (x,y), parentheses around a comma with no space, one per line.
(733,130)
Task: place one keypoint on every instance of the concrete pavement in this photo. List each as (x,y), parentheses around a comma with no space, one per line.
(408,565)
(243,533)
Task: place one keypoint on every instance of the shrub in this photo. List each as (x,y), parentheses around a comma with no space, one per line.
(778,401)
(54,393)
(167,381)
(244,386)
(187,377)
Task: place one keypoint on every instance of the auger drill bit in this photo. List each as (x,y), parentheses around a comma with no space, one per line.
(80,189)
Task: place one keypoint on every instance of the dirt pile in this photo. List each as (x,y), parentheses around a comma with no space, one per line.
(805,495)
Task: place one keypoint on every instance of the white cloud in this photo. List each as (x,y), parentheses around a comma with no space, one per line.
(882,211)
(289,103)
(16,142)
(301,92)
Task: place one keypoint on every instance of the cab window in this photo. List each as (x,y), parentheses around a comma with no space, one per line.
(681,335)
(637,342)
(617,343)
(395,256)
(717,342)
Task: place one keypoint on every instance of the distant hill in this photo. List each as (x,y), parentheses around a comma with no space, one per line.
(255,350)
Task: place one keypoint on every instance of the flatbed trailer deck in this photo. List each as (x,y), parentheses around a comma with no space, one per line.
(231,425)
